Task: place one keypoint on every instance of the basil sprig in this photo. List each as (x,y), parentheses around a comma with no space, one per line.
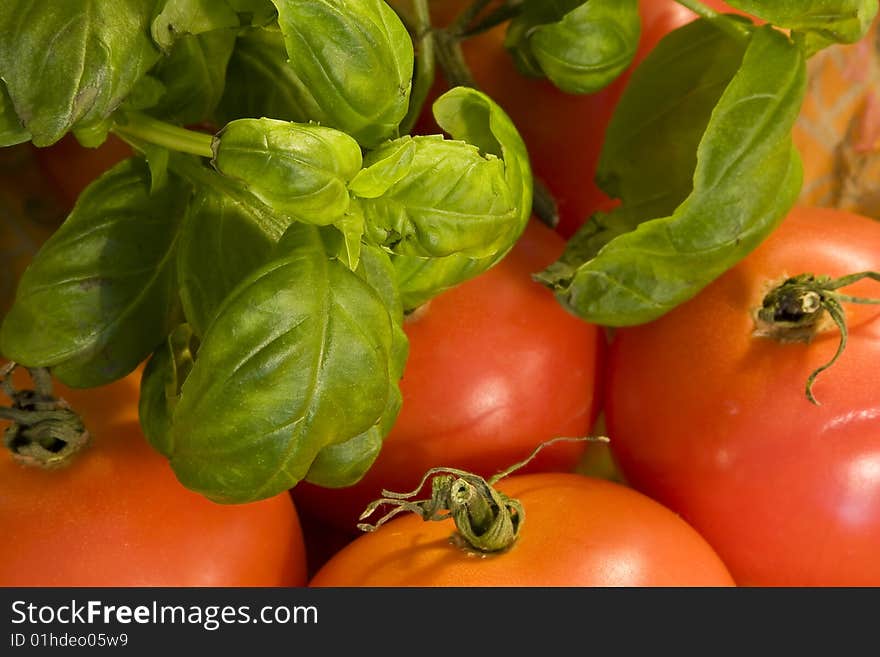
(705,168)
(253,266)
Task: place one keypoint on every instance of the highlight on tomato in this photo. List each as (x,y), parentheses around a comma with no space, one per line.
(495,367)
(113,514)
(709,408)
(540,529)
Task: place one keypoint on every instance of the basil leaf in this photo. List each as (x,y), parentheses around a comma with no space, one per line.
(259,83)
(451,200)
(384,169)
(823,22)
(650,150)
(98,50)
(296,359)
(345,463)
(352,62)
(221,242)
(471,116)
(338,466)
(747,176)
(179,18)
(255,12)
(12,131)
(161,382)
(301,170)
(580,46)
(98,296)
(194,77)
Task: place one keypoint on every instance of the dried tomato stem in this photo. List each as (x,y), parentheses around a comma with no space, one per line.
(793,311)
(45,432)
(486,519)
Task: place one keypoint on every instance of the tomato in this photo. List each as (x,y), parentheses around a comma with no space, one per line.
(29,216)
(117,516)
(714,422)
(562,132)
(578,531)
(70,167)
(496,366)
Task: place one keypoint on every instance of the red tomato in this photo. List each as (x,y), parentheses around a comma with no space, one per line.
(714,422)
(496,366)
(117,516)
(578,531)
(69,167)
(563,132)
(29,216)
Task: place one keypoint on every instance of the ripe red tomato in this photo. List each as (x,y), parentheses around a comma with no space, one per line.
(496,366)
(578,531)
(70,167)
(116,515)
(563,132)
(714,422)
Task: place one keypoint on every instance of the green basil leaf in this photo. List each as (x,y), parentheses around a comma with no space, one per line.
(99,295)
(296,359)
(385,168)
(98,50)
(338,466)
(823,22)
(345,463)
(746,178)
(259,83)
(161,382)
(157,160)
(146,93)
(298,169)
(12,131)
(179,18)
(255,12)
(194,77)
(650,150)
(453,199)
(471,116)
(580,46)
(221,243)
(352,63)
(421,279)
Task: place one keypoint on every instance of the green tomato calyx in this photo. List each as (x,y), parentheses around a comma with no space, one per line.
(798,309)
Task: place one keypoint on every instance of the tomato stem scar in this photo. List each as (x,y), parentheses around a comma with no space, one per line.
(486,520)
(793,311)
(45,432)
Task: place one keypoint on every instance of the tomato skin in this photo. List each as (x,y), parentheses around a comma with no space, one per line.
(578,531)
(117,516)
(495,367)
(70,167)
(714,423)
(563,132)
